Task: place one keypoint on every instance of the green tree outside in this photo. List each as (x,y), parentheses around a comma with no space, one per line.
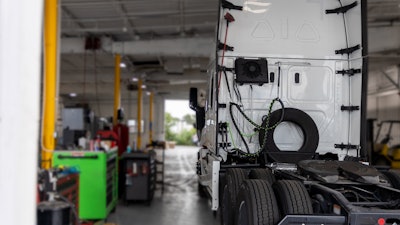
(184,137)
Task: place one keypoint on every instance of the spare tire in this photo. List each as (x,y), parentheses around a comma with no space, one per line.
(306,124)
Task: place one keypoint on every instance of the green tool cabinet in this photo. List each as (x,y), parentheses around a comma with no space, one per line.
(98,180)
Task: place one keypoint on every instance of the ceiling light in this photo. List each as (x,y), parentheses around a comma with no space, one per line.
(148,93)
(134,79)
(72,95)
(122,65)
(124,29)
(143,86)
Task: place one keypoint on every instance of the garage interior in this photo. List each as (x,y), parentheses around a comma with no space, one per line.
(162,49)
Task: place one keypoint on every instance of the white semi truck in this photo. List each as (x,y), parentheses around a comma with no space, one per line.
(282,123)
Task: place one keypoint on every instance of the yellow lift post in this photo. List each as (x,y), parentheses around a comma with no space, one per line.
(50,81)
(151,117)
(139,115)
(117,90)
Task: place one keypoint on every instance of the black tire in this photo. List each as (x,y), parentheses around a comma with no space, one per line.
(225,207)
(306,124)
(201,190)
(234,178)
(292,197)
(262,174)
(394,178)
(256,204)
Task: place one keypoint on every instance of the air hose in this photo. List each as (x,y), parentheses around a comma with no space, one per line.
(258,127)
(229,18)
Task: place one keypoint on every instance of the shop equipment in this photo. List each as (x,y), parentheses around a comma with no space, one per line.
(98,181)
(140,176)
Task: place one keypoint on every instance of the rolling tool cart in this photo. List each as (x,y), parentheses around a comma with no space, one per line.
(160,162)
(98,189)
(140,176)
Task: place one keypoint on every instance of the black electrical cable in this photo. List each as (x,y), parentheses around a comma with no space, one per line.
(227,138)
(268,117)
(279,81)
(237,92)
(236,126)
(227,84)
(223,52)
(72,207)
(266,128)
(348,64)
(224,134)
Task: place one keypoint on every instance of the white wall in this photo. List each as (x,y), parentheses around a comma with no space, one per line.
(20,63)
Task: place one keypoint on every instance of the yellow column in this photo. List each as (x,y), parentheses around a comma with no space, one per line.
(139,115)
(151,117)
(117,88)
(50,81)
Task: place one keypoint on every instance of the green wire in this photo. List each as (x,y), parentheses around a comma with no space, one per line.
(231,135)
(249,135)
(266,128)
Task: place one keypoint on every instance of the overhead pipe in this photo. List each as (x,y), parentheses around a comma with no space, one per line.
(139,115)
(50,81)
(117,88)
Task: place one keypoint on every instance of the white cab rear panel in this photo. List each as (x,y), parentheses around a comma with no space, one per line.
(299,40)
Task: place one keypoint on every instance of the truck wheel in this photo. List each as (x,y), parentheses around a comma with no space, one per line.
(201,190)
(225,208)
(234,178)
(256,204)
(394,178)
(293,197)
(262,174)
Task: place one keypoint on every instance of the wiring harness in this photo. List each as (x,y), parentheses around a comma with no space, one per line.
(257,128)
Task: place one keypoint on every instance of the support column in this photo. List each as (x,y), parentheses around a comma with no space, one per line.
(139,115)
(151,117)
(50,81)
(21,24)
(117,88)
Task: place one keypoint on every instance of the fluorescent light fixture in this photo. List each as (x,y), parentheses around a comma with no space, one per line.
(72,95)
(134,79)
(143,86)
(122,65)
(255,7)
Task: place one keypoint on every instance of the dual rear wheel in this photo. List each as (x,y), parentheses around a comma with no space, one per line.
(261,200)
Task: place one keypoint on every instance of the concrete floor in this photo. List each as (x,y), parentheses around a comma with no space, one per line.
(180,204)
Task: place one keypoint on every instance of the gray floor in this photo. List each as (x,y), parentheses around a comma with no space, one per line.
(180,204)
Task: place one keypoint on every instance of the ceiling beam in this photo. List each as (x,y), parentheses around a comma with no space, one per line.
(182,47)
(123,15)
(383,39)
(135,15)
(107,90)
(72,17)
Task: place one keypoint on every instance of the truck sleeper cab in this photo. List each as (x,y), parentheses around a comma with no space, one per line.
(283,126)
